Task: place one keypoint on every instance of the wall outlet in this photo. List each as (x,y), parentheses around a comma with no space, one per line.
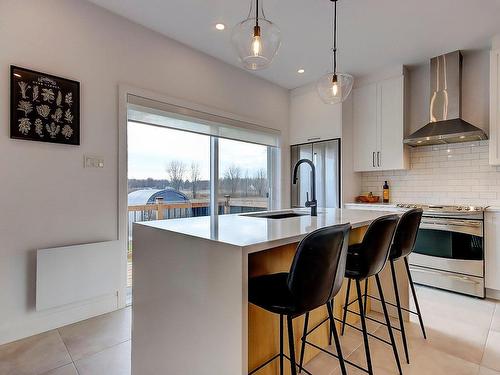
(93,161)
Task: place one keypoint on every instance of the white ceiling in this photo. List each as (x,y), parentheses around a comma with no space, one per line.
(372,34)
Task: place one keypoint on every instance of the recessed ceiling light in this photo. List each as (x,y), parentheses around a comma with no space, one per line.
(300,71)
(220,26)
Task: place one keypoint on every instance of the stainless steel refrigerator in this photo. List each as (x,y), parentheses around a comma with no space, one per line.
(326,157)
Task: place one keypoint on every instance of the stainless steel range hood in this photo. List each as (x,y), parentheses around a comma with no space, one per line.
(446,124)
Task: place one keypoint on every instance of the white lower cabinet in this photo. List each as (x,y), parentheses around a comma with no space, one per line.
(492,250)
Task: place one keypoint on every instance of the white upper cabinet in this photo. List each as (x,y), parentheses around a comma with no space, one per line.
(311,120)
(495,107)
(379,126)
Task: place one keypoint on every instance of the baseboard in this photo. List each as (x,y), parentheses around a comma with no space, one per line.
(39,322)
(493,293)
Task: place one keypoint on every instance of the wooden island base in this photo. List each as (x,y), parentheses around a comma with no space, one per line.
(263,327)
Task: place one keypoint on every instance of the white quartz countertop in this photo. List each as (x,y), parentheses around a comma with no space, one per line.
(257,233)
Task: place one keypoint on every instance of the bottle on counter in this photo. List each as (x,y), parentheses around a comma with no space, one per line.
(385,195)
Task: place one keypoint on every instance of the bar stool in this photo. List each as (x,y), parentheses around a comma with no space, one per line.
(314,278)
(363,261)
(402,246)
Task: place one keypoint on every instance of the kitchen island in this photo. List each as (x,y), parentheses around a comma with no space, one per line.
(191,313)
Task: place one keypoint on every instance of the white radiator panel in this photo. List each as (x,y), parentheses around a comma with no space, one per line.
(77,273)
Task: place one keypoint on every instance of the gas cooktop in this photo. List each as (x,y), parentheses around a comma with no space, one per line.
(445,210)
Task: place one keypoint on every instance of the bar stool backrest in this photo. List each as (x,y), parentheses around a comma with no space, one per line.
(374,250)
(320,258)
(406,233)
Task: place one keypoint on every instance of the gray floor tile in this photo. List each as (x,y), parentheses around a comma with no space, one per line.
(64,370)
(94,335)
(491,358)
(112,361)
(34,355)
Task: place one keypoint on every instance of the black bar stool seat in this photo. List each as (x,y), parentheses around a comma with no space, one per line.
(271,293)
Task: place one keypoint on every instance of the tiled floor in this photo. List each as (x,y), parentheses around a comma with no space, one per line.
(463,339)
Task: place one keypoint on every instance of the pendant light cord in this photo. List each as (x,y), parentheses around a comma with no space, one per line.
(256,12)
(334,36)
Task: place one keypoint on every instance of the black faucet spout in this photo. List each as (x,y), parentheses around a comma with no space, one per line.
(309,203)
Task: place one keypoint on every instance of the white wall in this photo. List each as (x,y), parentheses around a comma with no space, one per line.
(46,197)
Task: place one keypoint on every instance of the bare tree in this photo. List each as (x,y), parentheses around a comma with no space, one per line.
(232,176)
(195,178)
(176,170)
(261,182)
(246,183)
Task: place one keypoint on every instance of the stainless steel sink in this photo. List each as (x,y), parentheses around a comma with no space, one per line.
(278,214)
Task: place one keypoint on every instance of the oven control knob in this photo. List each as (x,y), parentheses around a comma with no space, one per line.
(467,208)
(459,208)
(414,206)
(477,208)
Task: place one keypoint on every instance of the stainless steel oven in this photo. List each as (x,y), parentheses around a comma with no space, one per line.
(449,251)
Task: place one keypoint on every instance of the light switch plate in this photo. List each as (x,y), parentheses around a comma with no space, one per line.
(93,161)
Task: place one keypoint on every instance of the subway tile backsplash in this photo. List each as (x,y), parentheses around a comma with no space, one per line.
(445,174)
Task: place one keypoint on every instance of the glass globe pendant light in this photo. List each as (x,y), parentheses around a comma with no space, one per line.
(334,87)
(256,39)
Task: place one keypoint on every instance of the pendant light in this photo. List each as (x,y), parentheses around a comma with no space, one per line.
(256,39)
(334,87)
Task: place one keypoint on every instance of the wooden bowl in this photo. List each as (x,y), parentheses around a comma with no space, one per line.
(368,199)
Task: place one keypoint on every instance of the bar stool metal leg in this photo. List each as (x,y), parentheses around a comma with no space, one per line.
(415,297)
(346,306)
(336,338)
(363,327)
(329,306)
(291,345)
(388,322)
(281,344)
(303,346)
(400,313)
(365,303)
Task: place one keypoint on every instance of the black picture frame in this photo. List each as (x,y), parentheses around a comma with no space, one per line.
(44,107)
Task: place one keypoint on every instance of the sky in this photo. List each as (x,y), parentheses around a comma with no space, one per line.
(150,148)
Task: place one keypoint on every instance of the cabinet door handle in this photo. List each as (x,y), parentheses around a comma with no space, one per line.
(373,159)
(378,158)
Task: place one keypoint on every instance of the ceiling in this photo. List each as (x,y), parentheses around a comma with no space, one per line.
(372,34)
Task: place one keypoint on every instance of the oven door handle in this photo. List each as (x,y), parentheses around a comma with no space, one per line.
(463,278)
(475,229)
(460,223)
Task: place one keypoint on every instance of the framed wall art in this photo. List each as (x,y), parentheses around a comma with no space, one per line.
(44,107)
